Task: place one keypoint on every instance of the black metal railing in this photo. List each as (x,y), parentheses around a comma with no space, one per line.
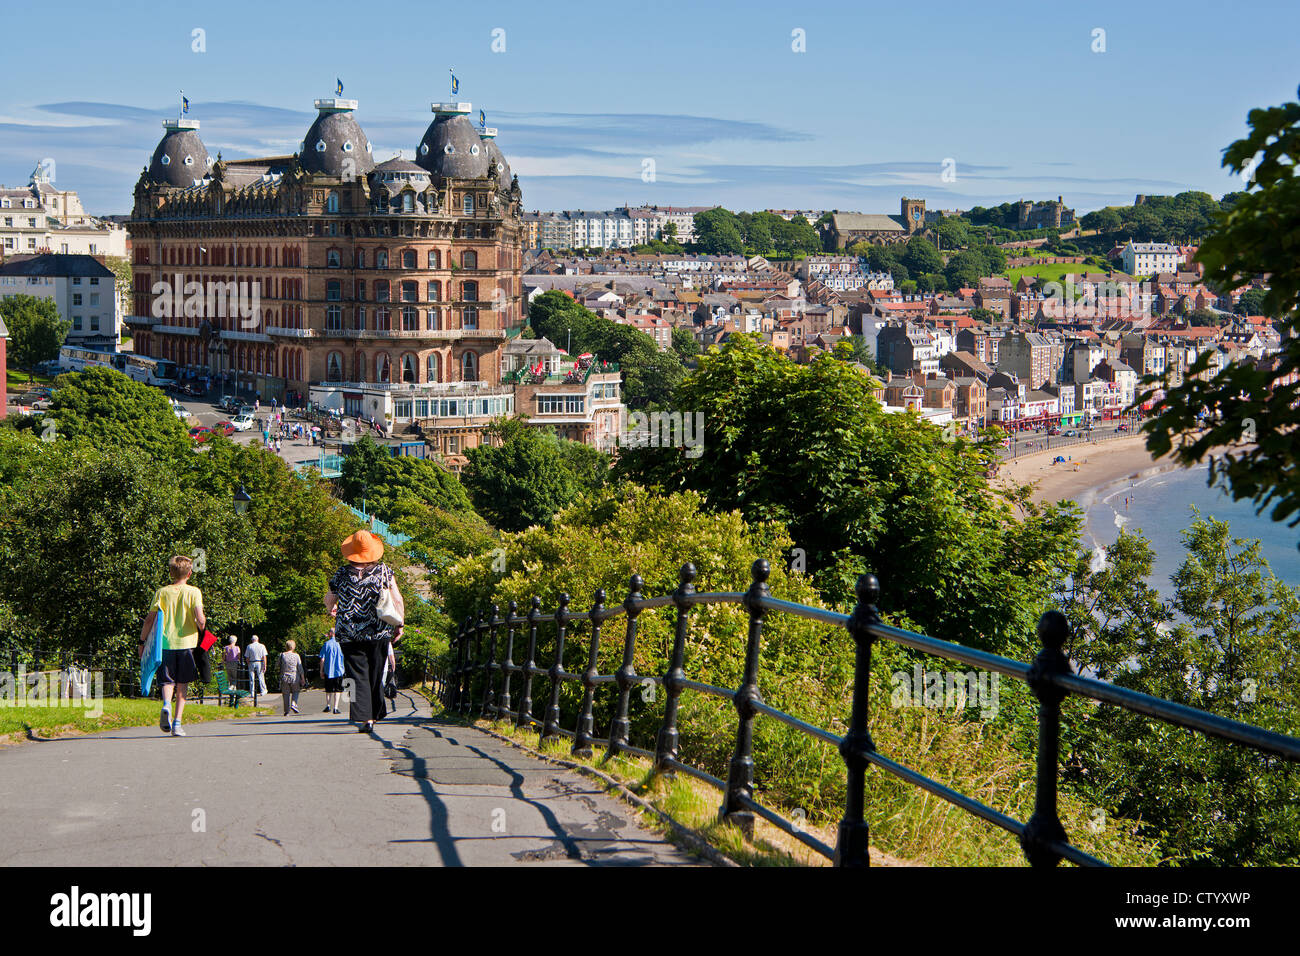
(475,660)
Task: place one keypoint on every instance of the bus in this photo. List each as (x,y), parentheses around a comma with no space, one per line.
(142,368)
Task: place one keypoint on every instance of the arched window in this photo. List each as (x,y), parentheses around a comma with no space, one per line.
(469,291)
(381,259)
(361,258)
(469,367)
(383,368)
(408,202)
(332,259)
(469,204)
(434,291)
(433,368)
(410,318)
(433,259)
(434,320)
(469,259)
(332,203)
(408,368)
(408,259)
(334,367)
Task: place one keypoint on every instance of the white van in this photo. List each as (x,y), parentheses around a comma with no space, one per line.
(242,422)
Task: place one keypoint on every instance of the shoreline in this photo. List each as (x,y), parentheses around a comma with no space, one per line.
(1093,468)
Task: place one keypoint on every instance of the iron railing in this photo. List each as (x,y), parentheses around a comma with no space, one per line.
(1050,677)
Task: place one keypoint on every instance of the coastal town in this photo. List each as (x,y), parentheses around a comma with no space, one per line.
(745,460)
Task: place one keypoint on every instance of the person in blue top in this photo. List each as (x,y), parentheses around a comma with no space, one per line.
(331,671)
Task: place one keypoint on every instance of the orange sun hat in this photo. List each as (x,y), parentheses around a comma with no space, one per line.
(363,547)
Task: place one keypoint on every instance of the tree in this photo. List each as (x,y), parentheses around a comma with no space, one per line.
(108,408)
(1249,400)
(984,315)
(953,232)
(684,343)
(524,476)
(390,487)
(1251,302)
(863,490)
(1226,643)
(36,330)
(921,256)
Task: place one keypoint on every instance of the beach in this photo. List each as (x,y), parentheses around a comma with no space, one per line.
(1092,466)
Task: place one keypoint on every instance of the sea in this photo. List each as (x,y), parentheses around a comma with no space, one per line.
(1160,502)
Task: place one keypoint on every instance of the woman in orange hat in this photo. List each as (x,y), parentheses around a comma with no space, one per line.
(353,598)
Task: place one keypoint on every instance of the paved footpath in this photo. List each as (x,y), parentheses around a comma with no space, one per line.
(309,790)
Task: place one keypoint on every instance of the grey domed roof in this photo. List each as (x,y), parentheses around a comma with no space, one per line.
(180,158)
(399,165)
(451,148)
(494,152)
(336,145)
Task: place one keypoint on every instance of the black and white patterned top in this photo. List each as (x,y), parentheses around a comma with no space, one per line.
(357,588)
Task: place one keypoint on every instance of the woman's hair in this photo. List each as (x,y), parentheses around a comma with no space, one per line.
(290,645)
(232,638)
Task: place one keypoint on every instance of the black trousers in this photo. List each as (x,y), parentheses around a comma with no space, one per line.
(363,663)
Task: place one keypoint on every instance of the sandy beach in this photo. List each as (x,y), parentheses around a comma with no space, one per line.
(1092,466)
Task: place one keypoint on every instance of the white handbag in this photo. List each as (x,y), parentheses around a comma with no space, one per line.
(387,610)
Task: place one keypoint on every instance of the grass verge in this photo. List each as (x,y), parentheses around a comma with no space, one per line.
(24,723)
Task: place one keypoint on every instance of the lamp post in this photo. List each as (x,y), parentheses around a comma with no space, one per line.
(242,498)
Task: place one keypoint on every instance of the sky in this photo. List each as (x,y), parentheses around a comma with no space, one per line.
(753,105)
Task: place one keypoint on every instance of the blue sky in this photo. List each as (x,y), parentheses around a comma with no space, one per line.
(711,91)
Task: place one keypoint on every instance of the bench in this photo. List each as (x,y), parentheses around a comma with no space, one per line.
(224,688)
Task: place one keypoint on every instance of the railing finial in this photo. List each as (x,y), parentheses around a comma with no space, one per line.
(868,588)
(760,571)
(1053,630)
(687,574)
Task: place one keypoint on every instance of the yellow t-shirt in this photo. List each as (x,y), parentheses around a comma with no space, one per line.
(178,602)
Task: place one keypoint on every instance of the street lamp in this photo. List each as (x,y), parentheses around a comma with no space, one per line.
(242,499)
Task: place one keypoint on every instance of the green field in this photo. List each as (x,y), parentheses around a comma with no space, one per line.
(17,723)
(19,381)
(1053,272)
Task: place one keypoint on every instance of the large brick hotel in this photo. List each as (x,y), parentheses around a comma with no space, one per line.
(385,289)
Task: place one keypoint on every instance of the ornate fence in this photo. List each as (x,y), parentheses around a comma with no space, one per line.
(480,681)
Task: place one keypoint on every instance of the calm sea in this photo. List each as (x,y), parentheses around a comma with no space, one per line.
(1161,506)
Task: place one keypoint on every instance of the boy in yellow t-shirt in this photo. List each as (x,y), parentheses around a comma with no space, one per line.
(181,606)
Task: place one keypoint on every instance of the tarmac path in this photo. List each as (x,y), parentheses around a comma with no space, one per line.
(308,790)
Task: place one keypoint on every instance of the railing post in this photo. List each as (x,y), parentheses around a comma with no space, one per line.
(462,653)
(551,727)
(740,773)
(524,717)
(852,846)
(666,741)
(620,728)
(472,648)
(507,666)
(1044,826)
(489,677)
(582,735)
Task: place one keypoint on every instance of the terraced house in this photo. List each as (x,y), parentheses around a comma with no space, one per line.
(381,289)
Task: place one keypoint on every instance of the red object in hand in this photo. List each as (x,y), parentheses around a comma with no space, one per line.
(207,640)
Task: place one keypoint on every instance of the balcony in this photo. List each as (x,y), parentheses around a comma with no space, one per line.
(286,332)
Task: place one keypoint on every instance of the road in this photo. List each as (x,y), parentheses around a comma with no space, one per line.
(309,791)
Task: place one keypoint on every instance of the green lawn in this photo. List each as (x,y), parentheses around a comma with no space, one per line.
(17,722)
(1051,271)
(20,381)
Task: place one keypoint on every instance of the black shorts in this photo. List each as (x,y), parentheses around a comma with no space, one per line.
(333,685)
(177,667)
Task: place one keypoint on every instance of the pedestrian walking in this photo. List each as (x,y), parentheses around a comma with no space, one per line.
(277,446)
(230,660)
(293,677)
(181,607)
(255,656)
(367,607)
(331,671)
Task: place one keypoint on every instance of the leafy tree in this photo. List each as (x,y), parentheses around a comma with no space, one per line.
(392,486)
(718,232)
(862,489)
(104,406)
(984,315)
(36,331)
(921,256)
(1251,302)
(524,476)
(1226,643)
(953,232)
(684,343)
(1247,399)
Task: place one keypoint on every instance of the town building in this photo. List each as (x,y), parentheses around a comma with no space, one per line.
(1150,258)
(81,287)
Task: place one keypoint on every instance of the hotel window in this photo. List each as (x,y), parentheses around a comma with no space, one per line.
(76,323)
(408,259)
(361,318)
(333,291)
(334,318)
(332,259)
(434,291)
(410,318)
(469,204)
(361,290)
(433,368)
(94,323)
(334,367)
(469,319)
(433,259)
(469,260)
(381,290)
(332,203)
(383,368)
(469,367)
(434,320)
(408,367)
(381,319)
(402,409)
(469,291)
(76,298)
(410,293)
(408,203)
(421,408)
(361,259)
(381,259)
(453,445)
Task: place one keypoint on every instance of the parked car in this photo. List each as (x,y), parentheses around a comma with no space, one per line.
(200,433)
(1121,427)
(1053,430)
(226,428)
(242,422)
(1072,434)
(229,403)
(248,410)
